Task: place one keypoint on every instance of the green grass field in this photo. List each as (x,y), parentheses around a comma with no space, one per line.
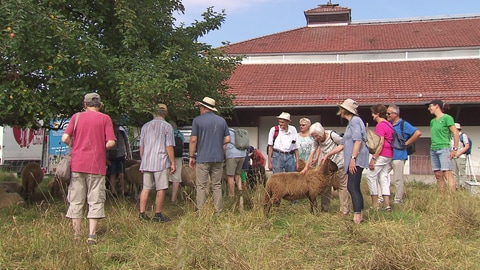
(425,232)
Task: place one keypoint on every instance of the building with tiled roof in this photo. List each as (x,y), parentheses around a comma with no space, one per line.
(309,70)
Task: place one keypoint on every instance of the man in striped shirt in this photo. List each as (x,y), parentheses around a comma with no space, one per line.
(158,161)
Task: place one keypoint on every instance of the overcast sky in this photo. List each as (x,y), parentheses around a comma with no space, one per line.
(247,19)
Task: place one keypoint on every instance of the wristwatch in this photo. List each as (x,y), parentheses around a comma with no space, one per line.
(455,148)
(354,158)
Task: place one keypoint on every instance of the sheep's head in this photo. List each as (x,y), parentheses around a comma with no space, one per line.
(328,167)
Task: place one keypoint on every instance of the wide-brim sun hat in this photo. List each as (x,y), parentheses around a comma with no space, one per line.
(284,116)
(208,103)
(350,105)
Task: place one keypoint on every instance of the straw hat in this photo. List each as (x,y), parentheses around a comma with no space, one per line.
(208,103)
(284,116)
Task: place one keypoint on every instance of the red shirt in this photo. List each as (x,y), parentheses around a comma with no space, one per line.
(257,158)
(89,153)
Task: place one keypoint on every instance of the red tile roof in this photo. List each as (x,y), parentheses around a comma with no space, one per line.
(454,81)
(400,82)
(413,34)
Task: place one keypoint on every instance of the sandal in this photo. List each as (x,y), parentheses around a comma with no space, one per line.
(92,239)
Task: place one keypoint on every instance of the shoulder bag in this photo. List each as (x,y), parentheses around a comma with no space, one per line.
(63,170)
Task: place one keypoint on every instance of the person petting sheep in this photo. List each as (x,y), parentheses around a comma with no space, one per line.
(324,142)
(282,146)
(355,154)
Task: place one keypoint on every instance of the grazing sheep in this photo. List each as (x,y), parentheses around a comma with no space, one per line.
(32,176)
(11,186)
(58,187)
(134,177)
(131,162)
(293,185)
(188,176)
(8,198)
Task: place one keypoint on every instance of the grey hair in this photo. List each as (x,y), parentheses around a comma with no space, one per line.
(94,103)
(395,108)
(317,128)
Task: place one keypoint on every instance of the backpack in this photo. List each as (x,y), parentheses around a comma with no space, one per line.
(242,141)
(469,151)
(178,149)
(275,135)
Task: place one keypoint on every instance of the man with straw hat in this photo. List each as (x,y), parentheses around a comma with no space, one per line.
(209,134)
(282,146)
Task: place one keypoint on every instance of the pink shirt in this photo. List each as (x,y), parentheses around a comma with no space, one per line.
(92,132)
(385,129)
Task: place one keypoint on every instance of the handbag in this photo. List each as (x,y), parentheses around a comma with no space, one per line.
(372,141)
(63,170)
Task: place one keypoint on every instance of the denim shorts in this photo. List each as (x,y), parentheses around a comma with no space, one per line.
(440,160)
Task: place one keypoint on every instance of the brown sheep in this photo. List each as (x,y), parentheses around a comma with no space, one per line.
(134,177)
(58,187)
(8,198)
(11,186)
(32,176)
(293,185)
(188,176)
(301,165)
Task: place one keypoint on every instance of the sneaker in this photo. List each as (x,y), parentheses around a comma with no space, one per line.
(388,209)
(396,201)
(160,218)
(380,199)
(143,216)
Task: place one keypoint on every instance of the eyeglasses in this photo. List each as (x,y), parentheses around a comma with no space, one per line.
(389,113)
(303,125)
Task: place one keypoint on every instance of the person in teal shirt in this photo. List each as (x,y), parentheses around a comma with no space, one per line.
(442,129)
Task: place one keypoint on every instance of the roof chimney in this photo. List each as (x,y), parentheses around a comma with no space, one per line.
(329,14)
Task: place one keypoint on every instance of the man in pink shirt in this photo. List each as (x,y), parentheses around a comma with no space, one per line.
(90,134)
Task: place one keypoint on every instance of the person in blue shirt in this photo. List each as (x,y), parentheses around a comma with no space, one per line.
(411,134)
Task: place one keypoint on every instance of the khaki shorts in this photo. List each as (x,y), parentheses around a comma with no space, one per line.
(177,176)
(158,180)
(86,187)
(234,166)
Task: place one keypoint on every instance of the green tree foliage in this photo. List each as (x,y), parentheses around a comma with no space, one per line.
(53,52)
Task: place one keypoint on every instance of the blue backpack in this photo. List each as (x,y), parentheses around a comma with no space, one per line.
(469,151)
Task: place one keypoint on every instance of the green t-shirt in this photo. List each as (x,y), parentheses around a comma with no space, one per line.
(440,130)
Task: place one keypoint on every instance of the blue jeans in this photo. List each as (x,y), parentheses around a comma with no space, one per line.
(283,162)
(353,186)
(440,160)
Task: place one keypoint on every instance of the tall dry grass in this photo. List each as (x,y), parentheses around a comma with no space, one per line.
(425,232)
